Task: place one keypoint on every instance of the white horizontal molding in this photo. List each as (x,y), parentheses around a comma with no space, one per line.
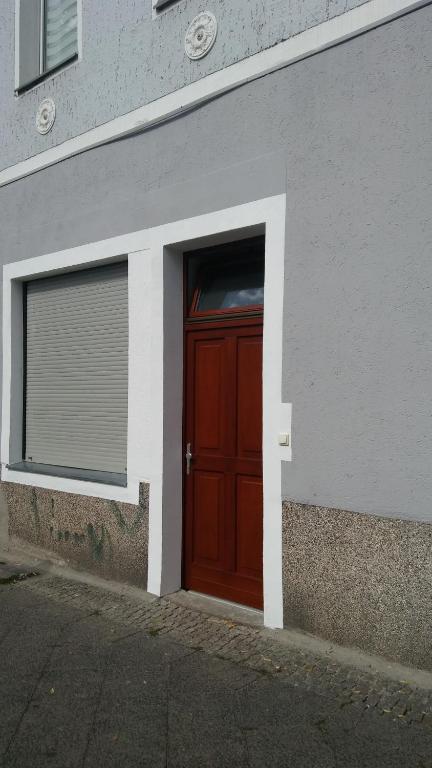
(350,24)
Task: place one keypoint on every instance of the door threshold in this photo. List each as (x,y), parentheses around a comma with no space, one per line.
(216,606)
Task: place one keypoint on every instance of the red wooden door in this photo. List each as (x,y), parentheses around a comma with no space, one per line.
(223,489)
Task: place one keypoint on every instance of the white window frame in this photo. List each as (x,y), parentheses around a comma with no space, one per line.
(42,77)
(155,377)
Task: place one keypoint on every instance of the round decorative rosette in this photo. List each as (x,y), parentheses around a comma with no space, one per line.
(45,116)
(201,35)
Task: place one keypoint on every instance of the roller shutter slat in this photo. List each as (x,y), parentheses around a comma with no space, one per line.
(77,369)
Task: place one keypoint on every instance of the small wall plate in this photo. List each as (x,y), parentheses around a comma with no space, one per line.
(201,35)
(45,116)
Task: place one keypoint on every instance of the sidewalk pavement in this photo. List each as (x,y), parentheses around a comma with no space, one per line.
(95,677)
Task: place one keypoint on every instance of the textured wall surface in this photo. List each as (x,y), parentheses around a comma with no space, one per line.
(4,520)
(359,580)
(130,59)
(347,135)
(107,538)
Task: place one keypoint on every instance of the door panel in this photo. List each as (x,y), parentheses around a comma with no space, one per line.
(249,396)
(208,505)
(208,386)
(249,525)
(223,491)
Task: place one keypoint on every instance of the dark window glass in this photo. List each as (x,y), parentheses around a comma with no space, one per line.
(232,285)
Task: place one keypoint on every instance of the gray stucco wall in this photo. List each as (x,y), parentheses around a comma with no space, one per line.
(130,59)
(347,135)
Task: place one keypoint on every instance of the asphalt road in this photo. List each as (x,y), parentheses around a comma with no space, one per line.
(79,689)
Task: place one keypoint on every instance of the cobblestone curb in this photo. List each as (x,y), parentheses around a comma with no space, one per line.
(245,645)
(11,573)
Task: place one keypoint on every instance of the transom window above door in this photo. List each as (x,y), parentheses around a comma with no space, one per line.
(48,38)
(226,279)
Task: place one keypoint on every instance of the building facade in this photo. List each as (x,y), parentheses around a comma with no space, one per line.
(216,312)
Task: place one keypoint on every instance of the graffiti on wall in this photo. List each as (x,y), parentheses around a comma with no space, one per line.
(66,522)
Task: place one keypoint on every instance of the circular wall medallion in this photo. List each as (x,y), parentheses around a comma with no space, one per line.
(201,35)
(45,116)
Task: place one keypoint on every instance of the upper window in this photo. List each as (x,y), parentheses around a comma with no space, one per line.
(48,38)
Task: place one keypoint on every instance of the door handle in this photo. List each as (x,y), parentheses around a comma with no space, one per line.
(188,458)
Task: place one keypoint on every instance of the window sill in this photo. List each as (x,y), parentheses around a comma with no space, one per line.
(161,5)
(48,75)
(71,473)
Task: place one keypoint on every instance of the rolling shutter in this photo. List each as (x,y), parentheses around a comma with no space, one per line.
(77,369)
(61,41)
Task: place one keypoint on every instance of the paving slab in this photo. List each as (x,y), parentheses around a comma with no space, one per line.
(91,678)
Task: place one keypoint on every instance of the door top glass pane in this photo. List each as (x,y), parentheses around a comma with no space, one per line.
(227,286)
(226,279)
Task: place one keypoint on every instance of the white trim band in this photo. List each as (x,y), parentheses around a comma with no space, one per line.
(336,30)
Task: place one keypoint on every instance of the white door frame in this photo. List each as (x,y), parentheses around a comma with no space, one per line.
(167,245)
